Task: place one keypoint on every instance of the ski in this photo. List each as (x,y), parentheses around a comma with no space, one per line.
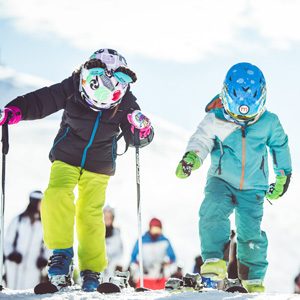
(48,287)
(45,288)
(234,285)
(115,283)
(141,289)
(194,282)
(108,288)
(226,285)
(189,283)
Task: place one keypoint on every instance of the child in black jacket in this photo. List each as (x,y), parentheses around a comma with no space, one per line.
(97,102)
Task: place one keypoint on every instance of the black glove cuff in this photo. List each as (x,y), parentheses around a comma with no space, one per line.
(287,183)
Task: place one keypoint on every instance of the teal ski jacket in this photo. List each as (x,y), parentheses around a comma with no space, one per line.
(239,154)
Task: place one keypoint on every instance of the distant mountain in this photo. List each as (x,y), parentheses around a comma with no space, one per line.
(13,84)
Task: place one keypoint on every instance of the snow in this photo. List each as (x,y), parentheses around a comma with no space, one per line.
(164,196)
(129,294)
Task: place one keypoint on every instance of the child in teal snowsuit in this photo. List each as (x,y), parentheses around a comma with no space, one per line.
(237,130)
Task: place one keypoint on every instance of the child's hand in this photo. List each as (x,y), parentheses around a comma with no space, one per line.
(140,122)
(189,163)
(278,188)
(10,115)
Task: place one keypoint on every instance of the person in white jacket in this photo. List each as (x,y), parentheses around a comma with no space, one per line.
(114,244)
(25,255)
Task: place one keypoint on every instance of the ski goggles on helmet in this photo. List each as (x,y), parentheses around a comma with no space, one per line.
(122,74)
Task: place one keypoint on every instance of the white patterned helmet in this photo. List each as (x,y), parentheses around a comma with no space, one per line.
(104,79)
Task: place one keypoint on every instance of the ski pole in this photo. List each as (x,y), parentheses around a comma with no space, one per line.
(5,147)
(139,211)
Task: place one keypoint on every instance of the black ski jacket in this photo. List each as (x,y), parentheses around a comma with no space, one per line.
(86,138)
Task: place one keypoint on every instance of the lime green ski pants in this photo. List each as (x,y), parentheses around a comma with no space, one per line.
(59,210)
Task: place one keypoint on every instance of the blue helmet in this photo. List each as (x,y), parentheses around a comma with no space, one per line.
(244,92)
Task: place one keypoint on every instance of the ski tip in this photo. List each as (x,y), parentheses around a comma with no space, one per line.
(45,288)
(234,289)
(142,289)
(108,288)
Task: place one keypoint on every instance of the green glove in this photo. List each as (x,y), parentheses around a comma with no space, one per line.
(278,188)
(189,163)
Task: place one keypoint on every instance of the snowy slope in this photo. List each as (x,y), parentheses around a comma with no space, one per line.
(175,201)
(151,295)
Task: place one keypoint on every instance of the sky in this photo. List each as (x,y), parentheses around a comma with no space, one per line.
(180,50)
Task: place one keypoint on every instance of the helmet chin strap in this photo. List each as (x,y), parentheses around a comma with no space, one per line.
(243,123)
(229,118)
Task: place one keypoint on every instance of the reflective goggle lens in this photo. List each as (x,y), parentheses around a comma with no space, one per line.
(122,77)
(96,72)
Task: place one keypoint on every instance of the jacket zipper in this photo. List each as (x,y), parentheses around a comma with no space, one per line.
(96,125)
(243,157)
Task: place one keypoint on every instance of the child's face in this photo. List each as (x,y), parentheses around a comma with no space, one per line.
(155,230)
(108,218)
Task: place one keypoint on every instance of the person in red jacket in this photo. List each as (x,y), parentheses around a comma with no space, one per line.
(96,102)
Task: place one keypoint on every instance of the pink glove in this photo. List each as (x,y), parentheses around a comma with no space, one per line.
(12,113)
(141,122)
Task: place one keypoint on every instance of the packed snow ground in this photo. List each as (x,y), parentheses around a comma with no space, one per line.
(164,196)
(151,295)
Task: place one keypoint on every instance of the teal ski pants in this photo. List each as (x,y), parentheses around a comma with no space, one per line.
(220,201)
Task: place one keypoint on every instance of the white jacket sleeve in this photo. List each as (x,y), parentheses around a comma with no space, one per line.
(10,236)
(202,141)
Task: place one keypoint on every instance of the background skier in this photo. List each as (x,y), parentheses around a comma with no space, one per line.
(25,254)
(158,257)
(237,131)
(230,255)
(97,102)
(297,284)
(114,244)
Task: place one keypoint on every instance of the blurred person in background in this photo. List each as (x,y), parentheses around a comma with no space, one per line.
(230,250)
(114,244)
(25,255)
(297,284)
(158,257)
(232,267)
(198,264)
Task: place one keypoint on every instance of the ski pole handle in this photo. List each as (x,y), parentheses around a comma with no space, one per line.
(4,140)
(136,138)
